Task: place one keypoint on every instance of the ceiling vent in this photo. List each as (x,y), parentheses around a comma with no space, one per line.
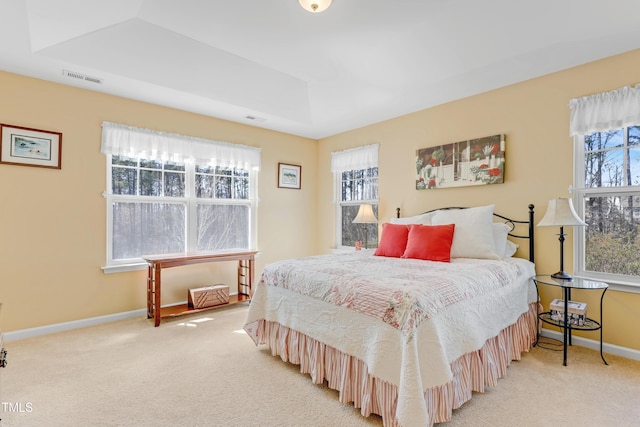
(255,118)
(80,76)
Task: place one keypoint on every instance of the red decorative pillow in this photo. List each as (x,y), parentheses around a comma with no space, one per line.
(430,242)
(393,241)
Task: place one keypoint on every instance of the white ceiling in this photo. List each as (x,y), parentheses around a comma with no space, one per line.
(313,75)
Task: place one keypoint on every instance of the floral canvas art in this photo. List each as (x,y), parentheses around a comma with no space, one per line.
(473,162)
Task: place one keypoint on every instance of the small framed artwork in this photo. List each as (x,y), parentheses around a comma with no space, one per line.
(30,147)
(289,176)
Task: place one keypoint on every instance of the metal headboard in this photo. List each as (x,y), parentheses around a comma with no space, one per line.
(511,222)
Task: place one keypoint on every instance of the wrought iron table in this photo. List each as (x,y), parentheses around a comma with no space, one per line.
(575,283)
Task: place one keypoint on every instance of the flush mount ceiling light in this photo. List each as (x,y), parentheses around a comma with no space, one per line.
(315,6)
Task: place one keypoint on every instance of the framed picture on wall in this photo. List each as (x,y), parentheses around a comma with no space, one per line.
(30,147)
(477,161)
(289,176)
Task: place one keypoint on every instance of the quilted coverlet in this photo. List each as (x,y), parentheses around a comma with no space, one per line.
(407,319)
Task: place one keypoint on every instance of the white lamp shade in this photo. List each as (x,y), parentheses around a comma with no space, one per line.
(365,215)
(560,213)
(315,6)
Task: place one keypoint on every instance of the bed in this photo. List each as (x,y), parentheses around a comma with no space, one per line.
(405,332)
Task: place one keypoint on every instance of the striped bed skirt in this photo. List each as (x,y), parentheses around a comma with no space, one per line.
(350,377)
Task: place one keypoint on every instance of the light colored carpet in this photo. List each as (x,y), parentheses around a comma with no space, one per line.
(201,370)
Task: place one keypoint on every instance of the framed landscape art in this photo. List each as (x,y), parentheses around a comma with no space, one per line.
(474,162)
(30,147)
(289,176)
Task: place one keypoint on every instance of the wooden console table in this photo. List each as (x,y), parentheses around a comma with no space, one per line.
(154,280)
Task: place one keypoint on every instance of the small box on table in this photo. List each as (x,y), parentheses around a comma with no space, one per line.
(208,296)
(577,311)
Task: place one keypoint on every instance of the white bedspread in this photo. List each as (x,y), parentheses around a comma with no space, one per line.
(406,319)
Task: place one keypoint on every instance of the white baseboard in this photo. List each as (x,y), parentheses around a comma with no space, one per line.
(629,353)
(67,326)
(76,324)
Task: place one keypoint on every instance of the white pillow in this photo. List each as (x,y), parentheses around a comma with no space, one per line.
(473,235)
(424,219)
(510,249)
(500,232)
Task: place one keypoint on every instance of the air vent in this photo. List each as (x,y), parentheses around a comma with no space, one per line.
(80,76)
(255,118)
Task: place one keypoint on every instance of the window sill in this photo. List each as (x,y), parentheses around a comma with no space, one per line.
(615,285)
(621,287)
(343,250)
(124,268)
(136,266)
(347,250)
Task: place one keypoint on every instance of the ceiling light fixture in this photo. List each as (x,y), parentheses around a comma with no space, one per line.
(315,6)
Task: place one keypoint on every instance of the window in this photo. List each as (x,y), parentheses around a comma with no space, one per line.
(170,193)
(607,187)
(356,177)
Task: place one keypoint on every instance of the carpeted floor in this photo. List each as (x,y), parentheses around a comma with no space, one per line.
(201,370)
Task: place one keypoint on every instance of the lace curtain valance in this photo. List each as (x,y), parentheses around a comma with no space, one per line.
(129,141)
(605,111)
(355,158)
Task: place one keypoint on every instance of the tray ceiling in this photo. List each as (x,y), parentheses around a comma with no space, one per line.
(271,64)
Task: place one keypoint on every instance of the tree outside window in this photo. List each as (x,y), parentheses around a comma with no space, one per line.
(152,208)
(611,202)
(356,183)
(357,187)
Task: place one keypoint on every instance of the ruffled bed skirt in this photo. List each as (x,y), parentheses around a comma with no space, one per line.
(350,377)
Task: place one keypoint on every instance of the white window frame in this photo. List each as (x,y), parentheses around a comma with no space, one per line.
(616,281)
(225,153)
(340,204)
(359,158)
(600,112)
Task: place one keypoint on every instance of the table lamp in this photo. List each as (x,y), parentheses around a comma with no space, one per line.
(365,216)
(560,213)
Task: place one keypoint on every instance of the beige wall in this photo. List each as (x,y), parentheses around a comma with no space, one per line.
(52,222)
(534,115)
